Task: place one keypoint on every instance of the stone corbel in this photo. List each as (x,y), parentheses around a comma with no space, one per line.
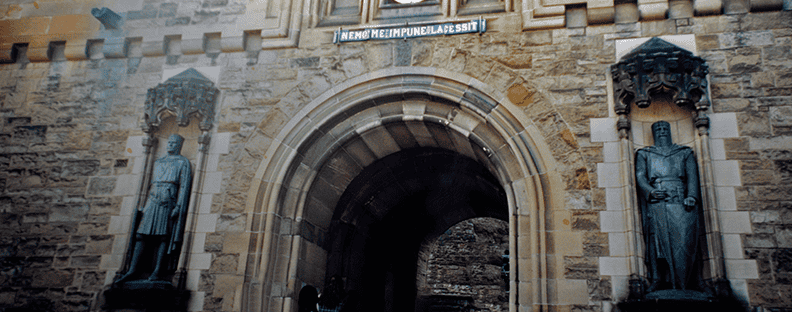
(76,50)
(192,45)
(653,9)
(601,15)
(153,48)
(232,44)
(540,14)
(38,51)
(707,7)
(600,11)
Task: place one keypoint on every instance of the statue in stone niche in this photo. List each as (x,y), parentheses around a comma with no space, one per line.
(161,228)
(668,185)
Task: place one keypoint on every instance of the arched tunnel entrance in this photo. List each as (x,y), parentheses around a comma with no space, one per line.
(408,129)
(392,211)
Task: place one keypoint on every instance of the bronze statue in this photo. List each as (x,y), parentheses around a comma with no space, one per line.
(668,184)
(162,224)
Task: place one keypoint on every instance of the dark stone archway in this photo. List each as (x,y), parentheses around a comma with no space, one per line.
(395,205)
(299,232)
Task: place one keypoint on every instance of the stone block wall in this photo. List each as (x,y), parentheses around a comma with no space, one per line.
(63,151)
(753,83)
(467,261)
(66,126)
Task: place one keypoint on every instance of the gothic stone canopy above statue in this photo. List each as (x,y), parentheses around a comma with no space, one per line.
(184,95)
(659,67)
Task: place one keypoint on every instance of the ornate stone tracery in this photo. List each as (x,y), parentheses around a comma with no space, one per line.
(660,67)
(184,95)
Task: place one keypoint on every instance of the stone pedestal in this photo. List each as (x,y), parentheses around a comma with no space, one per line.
(146,295)
(673,300)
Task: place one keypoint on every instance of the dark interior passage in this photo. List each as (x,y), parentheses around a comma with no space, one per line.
(394,207)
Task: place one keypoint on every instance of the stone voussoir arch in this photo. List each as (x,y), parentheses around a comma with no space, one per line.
(290,188)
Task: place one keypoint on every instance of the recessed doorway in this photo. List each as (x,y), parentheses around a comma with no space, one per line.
(395,212)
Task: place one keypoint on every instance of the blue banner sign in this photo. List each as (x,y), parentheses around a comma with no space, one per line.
(404,32)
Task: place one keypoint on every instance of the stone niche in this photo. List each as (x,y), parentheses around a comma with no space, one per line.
(183,105)
(661,81)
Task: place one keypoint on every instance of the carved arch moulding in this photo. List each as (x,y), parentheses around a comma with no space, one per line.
(520,158)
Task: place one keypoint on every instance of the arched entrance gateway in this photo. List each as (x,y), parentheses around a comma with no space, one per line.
(377,167)
(385,223)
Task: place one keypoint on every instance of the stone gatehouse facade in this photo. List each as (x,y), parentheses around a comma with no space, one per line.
(399,156)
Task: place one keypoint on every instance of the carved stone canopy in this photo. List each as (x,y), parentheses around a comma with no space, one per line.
(184,95)
(657,67)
